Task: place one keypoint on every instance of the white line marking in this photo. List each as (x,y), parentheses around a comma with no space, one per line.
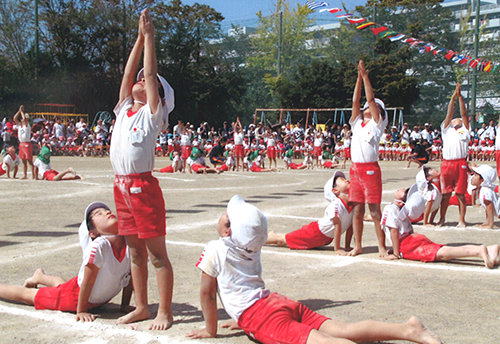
(292,217)
(94,329)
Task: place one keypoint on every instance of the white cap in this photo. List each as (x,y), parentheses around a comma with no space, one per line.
(414,206)
(83,231)
(329,195)
(248,225)
(488,173)
(168,98)
(379,102)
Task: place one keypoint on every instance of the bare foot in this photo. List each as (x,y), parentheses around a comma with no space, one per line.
(483,253)
(418,333)
(136,315)
(32,282)
(440,223)
(461,225)
(162,322)
(494,253)
(72,170)
(24,177)
(355,251)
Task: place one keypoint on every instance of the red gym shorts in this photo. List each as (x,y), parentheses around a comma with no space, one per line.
(307,237)
(186,152)
(419,247)
(168,169)
(271,152)
(196,167)
(366,183)
(294,166)
(255,168)
(347,153)
(317,151)
(64,297)
(25,151)
(239,151)
(2,171)
(50,174)
(278,320)
(224,168)
(454,176)
(497,159)
(140,206)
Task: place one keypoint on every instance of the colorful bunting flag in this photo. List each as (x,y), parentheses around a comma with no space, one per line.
(474,63)
(356,20)
(487,67)
(457,58)
(378,30)
(465,60)
(409,40)
(365,25)
(437,51)
(341,16)
(495,67)
(388,34)
(396,38)
(450,54)
(314,5)
(331,10)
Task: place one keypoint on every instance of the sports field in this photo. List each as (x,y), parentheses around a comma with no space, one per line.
(460,301)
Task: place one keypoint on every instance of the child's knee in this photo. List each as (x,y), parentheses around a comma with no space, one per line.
(159,261)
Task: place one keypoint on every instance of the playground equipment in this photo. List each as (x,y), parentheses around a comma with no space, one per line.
(104,116)
(50,112)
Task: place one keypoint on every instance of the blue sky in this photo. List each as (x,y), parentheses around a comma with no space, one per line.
(243,12)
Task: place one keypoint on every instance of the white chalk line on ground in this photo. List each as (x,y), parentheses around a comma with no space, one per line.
(93,329)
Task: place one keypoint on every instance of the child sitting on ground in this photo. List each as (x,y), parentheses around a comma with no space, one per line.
(105,271)
(231,267)
(176,165)
(484,177)
(409,203)
(336,221)
(44,170)
(10,162)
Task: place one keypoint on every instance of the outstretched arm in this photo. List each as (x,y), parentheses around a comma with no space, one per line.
(463,110)
(370,97)
(208,296)
(451,107)
(150,66)
(16,116)
(356,98)
(132,66)
(89,278)
(395,245)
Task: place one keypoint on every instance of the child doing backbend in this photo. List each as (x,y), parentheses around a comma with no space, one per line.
(104,272)
(409,203)
(428,184)
(232,268)
(485,177)
(336,221)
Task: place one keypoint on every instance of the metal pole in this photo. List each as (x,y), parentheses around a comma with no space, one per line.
(474,71)
(36,39)
(280,43)
(374,20)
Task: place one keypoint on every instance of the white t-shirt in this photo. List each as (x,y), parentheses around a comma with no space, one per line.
(58,130)
(11,163)
(23,132)
(42,167)
(336,209)
(318,141)
(134,140)
(390,219)
(238,138)
(239,283)
(455,142)
(114,273)
(433,195)
(230,162)
(487,194)
(186,139)
(365,139)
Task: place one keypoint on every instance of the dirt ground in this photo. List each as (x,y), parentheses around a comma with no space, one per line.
(460,300)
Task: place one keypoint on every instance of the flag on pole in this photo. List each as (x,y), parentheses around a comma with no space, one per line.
(378,30)
(396,38)
(331,10)
(356,20)
(365,25)
(314,5)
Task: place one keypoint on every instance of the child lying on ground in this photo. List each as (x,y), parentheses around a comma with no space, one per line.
(105,270)
(336,221)
(43,170)
(409,203)
(231,266)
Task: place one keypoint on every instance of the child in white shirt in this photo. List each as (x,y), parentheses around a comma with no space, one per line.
(10,162)
(484,177)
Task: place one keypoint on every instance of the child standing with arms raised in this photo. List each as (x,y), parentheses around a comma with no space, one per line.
(368,125)
(141,113)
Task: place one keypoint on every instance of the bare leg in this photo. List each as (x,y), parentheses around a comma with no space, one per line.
(25,169)
(462,207)
(446,253)
(274,238)
(32,169)
(357,226)
(165,279)
(139,272)
(494,253)
(18,293)
(376,216)
(67,174)
(445,202)
(39,277)
(373,331)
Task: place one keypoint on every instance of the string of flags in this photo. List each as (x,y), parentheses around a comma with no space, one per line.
(393,36)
